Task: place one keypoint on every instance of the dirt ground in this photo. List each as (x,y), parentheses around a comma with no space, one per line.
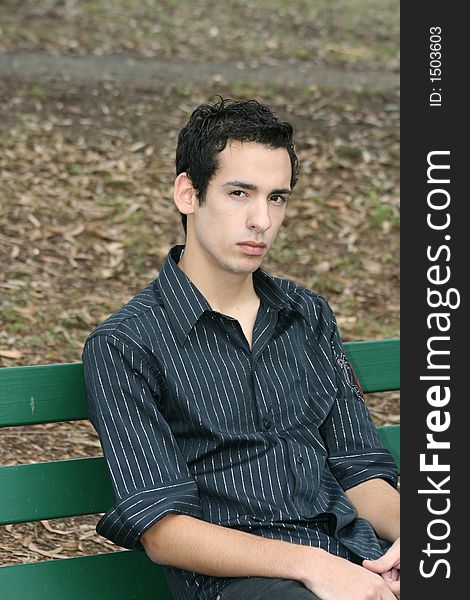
(91,102)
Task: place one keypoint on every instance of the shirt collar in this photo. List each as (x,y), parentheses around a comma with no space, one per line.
(185,304)
(269,291)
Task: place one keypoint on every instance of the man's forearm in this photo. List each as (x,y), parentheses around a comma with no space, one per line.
(188,543)
(379,503)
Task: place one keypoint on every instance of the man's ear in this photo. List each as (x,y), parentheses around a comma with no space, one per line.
(184,194)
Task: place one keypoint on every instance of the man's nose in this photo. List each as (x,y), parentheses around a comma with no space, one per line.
(259,218)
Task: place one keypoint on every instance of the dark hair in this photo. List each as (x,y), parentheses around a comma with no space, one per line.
(212,125)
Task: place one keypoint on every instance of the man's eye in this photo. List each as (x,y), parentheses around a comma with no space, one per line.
(279,199)
(238,193)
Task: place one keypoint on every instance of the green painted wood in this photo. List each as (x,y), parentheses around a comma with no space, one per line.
(113,576)
(80,486)
(376,364)
(390,436)
(49,393)
(42,394)
(50,490)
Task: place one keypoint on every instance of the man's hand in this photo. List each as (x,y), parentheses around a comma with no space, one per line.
(388,566)
(335,577)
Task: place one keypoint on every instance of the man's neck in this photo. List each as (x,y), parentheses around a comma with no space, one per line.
(231,294)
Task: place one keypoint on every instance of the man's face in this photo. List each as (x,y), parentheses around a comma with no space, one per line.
(243,210)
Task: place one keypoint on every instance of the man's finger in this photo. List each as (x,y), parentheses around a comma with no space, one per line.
(380,565)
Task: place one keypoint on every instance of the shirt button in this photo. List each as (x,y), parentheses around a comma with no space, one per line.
(300,459)
(268,425)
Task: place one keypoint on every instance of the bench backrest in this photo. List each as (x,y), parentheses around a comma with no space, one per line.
(48,490)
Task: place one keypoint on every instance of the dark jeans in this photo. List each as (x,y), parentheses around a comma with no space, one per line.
(264,588)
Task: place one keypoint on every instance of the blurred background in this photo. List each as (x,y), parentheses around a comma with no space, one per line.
(92,96)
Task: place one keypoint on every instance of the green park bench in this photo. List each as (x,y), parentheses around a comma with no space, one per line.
(66,488)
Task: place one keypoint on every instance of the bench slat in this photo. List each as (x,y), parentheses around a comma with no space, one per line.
(50,393)
(42,394)
(376,364)
(65,488)
(113,576)
(81,486)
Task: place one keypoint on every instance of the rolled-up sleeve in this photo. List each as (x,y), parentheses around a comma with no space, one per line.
(356,453)
(148,472)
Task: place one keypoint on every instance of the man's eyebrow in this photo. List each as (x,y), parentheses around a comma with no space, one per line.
(282,191)
(240,184)
(250,186)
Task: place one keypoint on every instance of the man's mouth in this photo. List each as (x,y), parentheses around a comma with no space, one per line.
(252,248)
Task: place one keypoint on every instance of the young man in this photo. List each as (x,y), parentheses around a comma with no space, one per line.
(240,448)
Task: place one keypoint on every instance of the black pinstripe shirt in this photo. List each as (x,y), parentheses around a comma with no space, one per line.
(264,440)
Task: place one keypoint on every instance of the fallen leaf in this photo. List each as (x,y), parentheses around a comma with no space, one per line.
(58,531)
(371,266)
(27,311)
(49,553)
(34,221)
(15,354)
(323,266)
(137,146)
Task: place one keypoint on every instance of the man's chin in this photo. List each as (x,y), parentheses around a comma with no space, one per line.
(245,267)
